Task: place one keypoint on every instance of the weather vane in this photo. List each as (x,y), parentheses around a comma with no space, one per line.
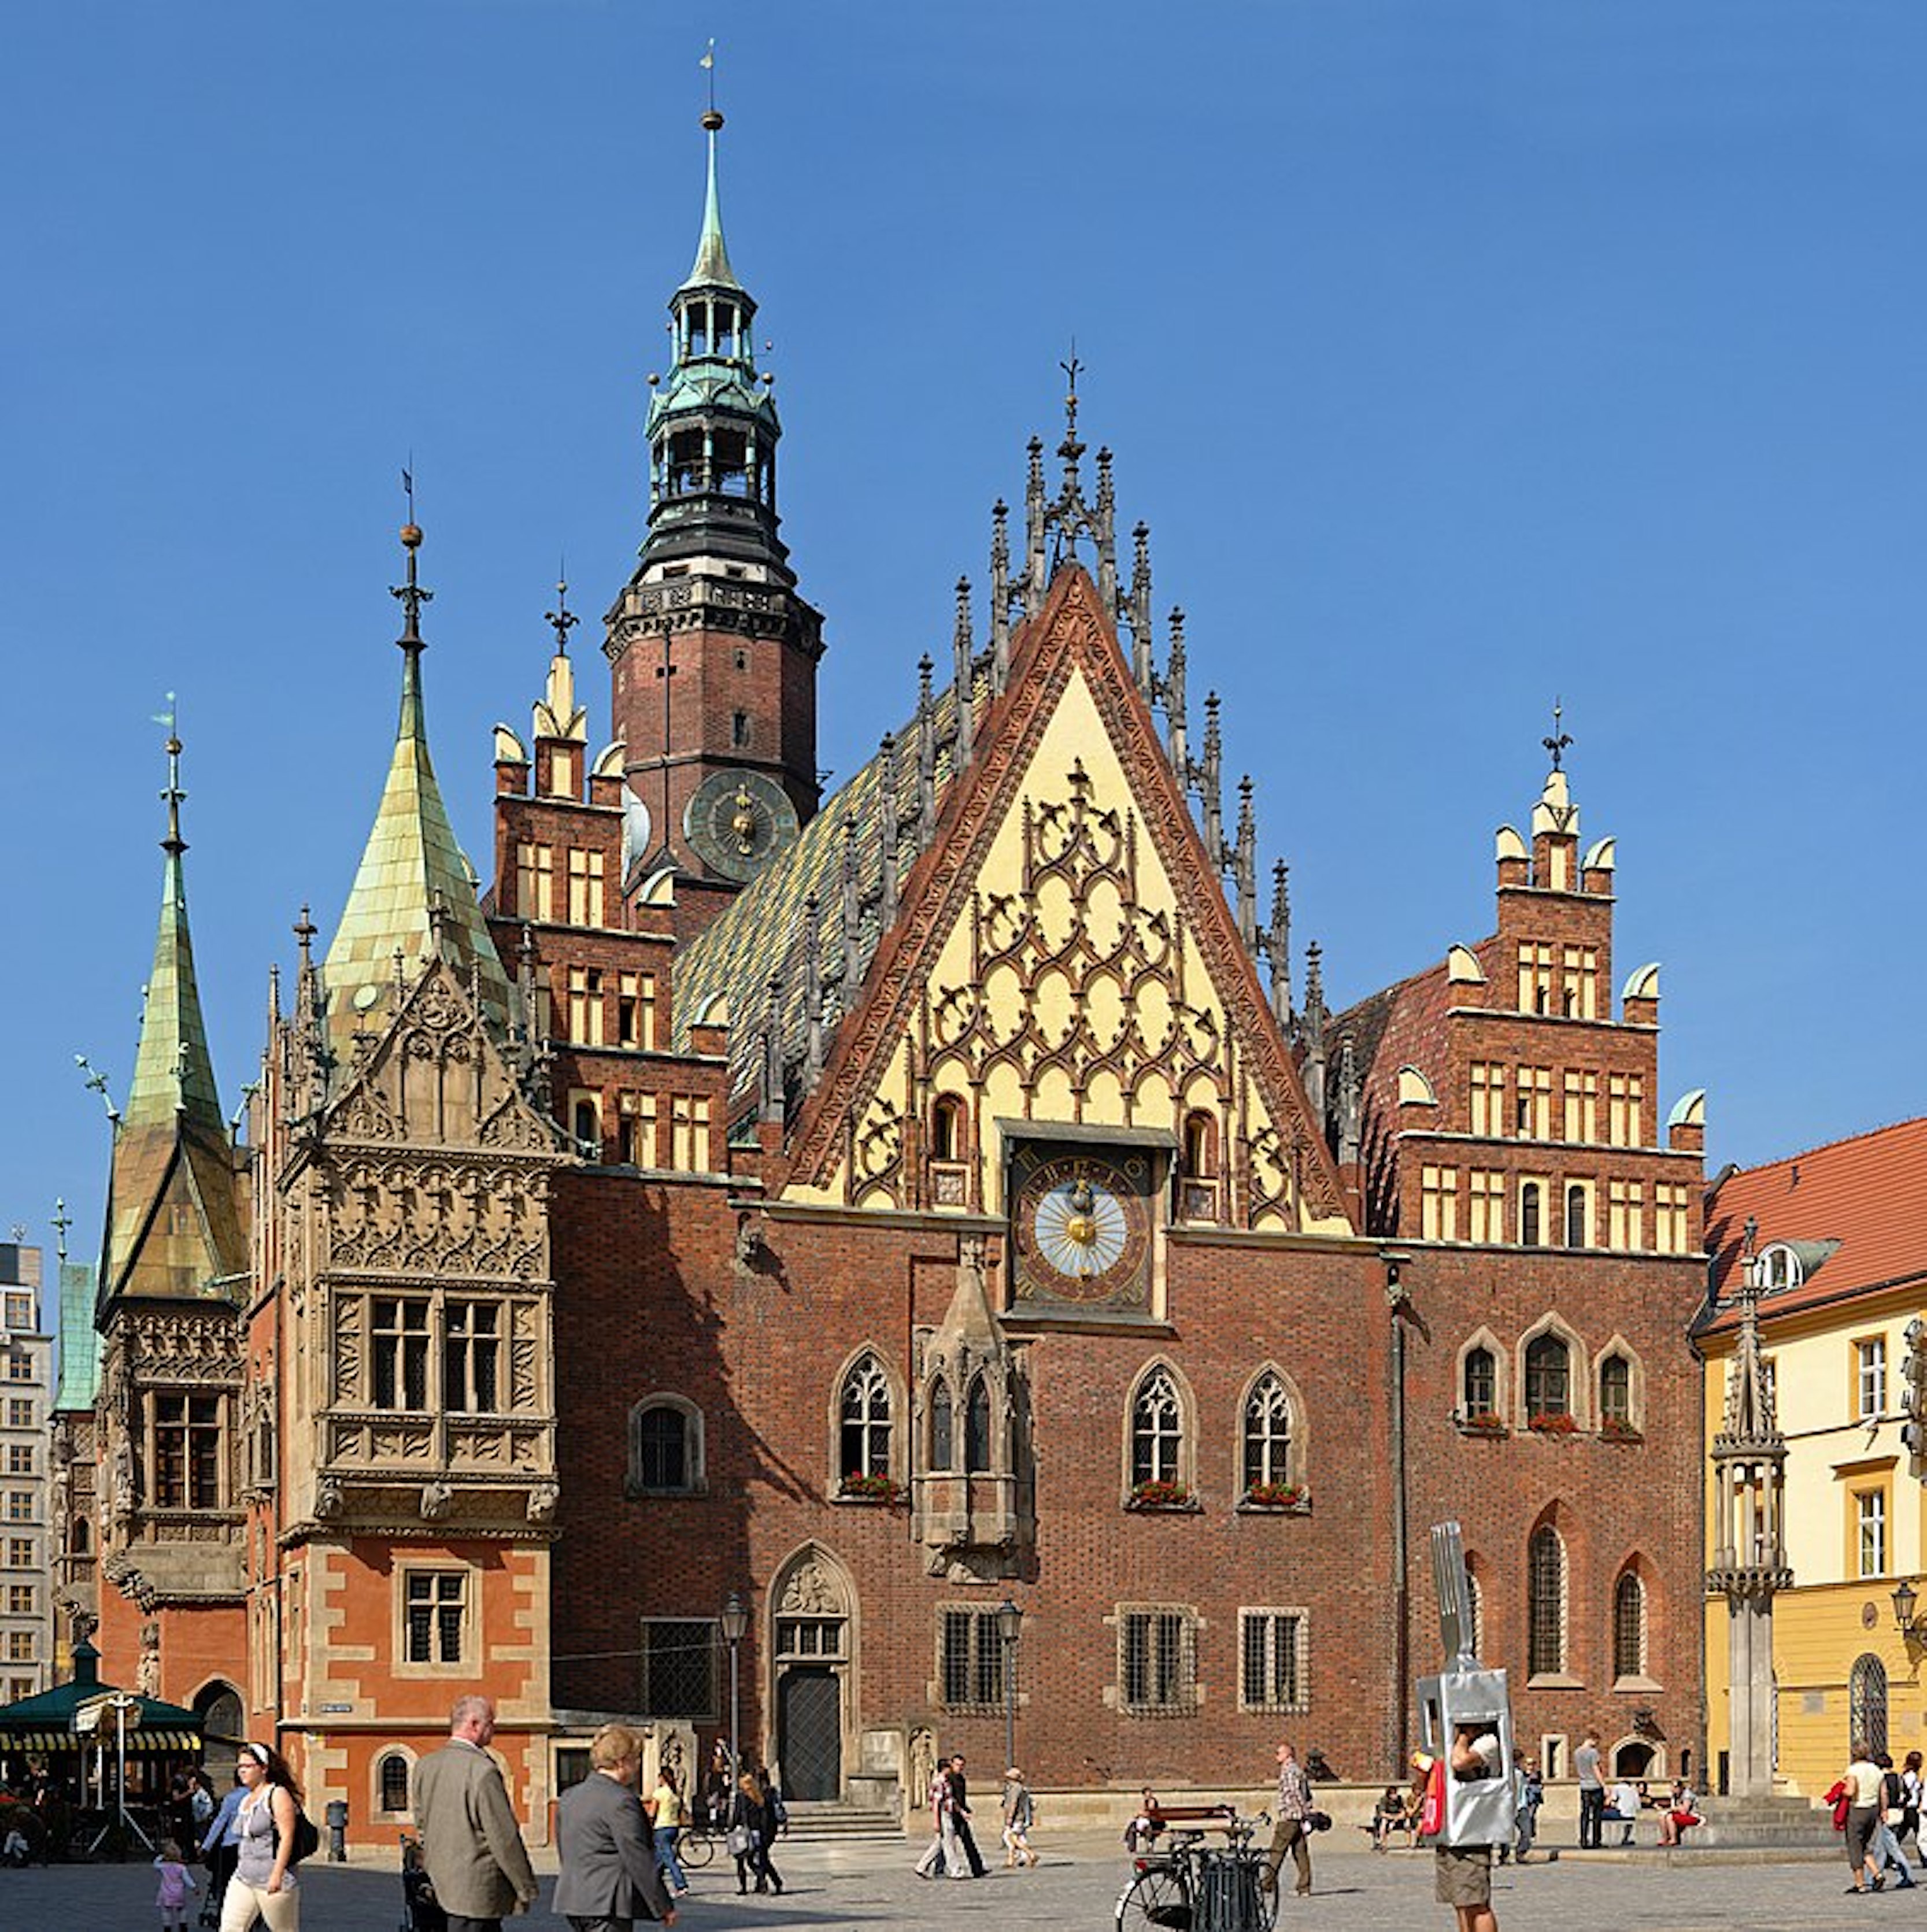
(562,619)
(411,594)
(1560,740)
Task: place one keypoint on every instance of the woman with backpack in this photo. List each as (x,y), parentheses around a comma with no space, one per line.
(263,1887)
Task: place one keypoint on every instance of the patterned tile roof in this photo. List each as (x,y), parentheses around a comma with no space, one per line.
(764,935)
(1868,1193)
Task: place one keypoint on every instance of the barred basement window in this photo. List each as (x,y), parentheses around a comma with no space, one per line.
(972,1660)
(1545,1649)
(1157,1661)
(436,1616)
(679,1671)
(393,1782)
(401,1352)
(1629,1626)
(1272,1675)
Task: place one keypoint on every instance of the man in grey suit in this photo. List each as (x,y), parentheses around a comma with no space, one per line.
(471,1847)
(609,1877)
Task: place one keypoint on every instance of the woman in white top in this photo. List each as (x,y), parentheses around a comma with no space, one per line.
(263,1887)
(1861,1780)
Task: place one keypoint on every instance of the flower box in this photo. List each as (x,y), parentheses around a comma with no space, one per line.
(880,1490)
(1617,1429)
(1559,1424)
(1485,1422)
(1277,1496)
(1160,1496)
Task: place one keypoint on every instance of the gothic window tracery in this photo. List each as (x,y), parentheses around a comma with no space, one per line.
(1269,1461)
(1157,1430)
(942,1451)
(976,1429)
(864,1421)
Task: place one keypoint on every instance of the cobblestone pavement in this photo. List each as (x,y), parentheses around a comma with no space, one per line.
(854,1888)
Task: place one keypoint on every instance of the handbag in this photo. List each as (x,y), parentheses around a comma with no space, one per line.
(738,1840)
(1318,1821)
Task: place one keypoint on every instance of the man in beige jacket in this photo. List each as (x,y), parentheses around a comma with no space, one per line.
(471,1845)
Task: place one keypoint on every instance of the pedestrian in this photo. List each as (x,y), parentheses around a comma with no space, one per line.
(751,1813)
(1885,1850)
(220,1846)
(1291,1831)
(1860,1791)
(718,1784)
(943,1849)
(666,1813)
(471,1847)
(177,1886)
(263,1886)
(1910,1824)
(960,1817)
(1532,1795)
(610,1875)
(1586,1763)
(1462,1874)
(1020,1812)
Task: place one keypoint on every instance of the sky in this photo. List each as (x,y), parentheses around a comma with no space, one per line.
(1461,356)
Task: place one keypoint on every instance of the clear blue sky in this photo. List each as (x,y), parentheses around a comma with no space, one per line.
(1458,355)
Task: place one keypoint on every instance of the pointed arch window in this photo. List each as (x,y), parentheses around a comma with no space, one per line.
(1479,1393)
(1629,1626)
(1548,1377)
(1545,1649)
(946,1129)
(1576,1215)
(392,1782)
(865,1422)
(1157,1431)
(942,1452)
(976,1429)
(1268,1435)
(1615,1393)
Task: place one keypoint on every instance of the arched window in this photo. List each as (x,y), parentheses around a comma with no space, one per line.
(392,1782)
(1575,1216)
(1615,1393)
(1548,1377)
(1480,1394)
(665,1447)
(976,1429)
(1528,1214)
(1197,1159)
(1629,1626)
(864,1410)
(1545,1619)
(1267,1433)
(588,1128)
(947,1125)
(80,1535)
(1157,1431)
(1866,1705)
(943,1453)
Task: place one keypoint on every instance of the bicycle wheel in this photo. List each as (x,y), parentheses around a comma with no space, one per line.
(1158,1897)
(695,1849)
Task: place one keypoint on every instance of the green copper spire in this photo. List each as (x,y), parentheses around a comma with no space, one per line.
(173,1071)
(414,892)
(712,269)
(174,1225)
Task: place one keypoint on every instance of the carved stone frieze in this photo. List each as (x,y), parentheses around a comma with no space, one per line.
(120,1570)
(407,1213)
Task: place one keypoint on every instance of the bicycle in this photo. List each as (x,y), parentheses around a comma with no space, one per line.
(695,1847)
(1186,1887)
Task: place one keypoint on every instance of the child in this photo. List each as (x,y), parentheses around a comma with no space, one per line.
(176,1888)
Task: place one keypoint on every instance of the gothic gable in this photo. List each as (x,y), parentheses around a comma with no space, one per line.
(1065,955)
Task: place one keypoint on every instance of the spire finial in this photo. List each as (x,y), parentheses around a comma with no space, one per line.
(1071,449)
(62,1221)
(1560,740)
(304,932)
(411,594)
(712,262)
(562,620)
(174,844)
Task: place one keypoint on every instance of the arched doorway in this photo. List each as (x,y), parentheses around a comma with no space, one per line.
(811,1615)
(1866,1705)
(217,1705)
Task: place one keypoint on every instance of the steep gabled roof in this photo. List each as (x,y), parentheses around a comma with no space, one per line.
(1868,1193)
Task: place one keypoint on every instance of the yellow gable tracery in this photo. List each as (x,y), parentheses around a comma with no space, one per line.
(1072,990)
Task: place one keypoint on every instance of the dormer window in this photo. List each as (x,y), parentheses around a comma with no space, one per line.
(1777,1266)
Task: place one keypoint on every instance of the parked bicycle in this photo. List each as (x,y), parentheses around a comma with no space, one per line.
(1187,1885)
(695,1846)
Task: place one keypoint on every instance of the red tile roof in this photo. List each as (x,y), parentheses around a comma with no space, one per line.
(1868,1193)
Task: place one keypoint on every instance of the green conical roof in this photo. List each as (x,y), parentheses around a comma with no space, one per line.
(174,1224)
(414,891)
(712,268)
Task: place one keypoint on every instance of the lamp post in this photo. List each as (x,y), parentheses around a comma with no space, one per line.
(1010,1623)
(735,1623)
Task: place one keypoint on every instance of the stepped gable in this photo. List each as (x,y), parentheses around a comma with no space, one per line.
(1869,1194)
(1402,1024)
(1069,636)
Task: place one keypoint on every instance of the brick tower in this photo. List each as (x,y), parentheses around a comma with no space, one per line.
(712,653)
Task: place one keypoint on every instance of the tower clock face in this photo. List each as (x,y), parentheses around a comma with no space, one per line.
(738,821)
(1083,1225)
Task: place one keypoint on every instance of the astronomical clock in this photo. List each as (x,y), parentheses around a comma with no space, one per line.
(1082,1218)
(738,821)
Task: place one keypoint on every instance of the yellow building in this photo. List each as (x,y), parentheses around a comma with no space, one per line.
(1816,1367)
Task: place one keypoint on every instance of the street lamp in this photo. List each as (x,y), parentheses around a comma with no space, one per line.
(1904,1598)
(735,1623)
(1010,1623)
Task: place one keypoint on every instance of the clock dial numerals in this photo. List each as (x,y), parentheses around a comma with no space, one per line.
(1083,1228)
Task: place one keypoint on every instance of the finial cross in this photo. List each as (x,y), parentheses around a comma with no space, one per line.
(1071,448)
(62,1221)
(1560,740)
(562,619)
